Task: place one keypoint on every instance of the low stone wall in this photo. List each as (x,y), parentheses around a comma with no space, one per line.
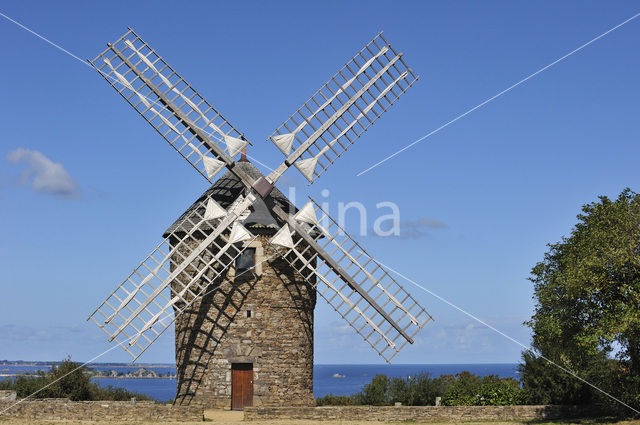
(7,395)
(63,409)
(421,413)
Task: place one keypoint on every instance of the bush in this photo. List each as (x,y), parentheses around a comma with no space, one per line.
(6,384)
(419,390)
(336,400)
(115,394)
(500,392)
(463,389)
(26,385)
(466,389)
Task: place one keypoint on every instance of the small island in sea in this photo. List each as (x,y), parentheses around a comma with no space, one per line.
(136,374)
(103,370)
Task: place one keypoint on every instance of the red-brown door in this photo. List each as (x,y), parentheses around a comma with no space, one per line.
(241,385)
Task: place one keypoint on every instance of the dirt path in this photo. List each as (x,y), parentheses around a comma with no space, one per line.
(223,417)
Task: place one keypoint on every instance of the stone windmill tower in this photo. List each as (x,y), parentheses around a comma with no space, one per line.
(239,271)
(249,341)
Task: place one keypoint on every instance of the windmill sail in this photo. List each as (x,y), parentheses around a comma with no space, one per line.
(351,281)
(336,115)
(181,269)
(172,107)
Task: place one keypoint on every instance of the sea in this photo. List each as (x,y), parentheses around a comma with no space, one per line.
(336,379)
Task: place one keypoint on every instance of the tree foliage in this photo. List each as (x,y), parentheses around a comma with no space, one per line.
(587,292)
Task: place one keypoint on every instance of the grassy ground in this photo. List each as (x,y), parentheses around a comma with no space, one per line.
(232,418)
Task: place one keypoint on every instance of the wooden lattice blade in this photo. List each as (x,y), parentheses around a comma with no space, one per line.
(350,280)
(187,264)
(169,104)
(324,127)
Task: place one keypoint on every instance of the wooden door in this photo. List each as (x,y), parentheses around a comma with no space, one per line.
(241,385)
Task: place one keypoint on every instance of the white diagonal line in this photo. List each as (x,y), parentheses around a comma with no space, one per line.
(497,95)
(260,163)
(46,40)
(527,348)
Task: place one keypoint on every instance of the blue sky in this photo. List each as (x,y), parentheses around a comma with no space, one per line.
(505,180)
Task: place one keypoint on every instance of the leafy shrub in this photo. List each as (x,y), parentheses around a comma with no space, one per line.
(336,400)
(466,389)
(418,390)
(6,384)
(461,389)
(115,394)
(500,392)
(422,390)
(27,385)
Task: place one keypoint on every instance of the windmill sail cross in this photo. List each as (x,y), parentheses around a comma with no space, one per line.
(209,238)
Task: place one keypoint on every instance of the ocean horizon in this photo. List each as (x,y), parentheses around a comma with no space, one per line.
(336,379)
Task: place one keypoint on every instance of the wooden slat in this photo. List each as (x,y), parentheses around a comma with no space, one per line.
(151,103)
(341,110)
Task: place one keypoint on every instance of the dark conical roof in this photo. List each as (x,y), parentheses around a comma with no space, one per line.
(227,189)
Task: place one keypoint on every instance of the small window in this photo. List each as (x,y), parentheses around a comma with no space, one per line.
(248,313)
(246,261)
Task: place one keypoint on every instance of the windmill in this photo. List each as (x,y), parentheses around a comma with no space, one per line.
(239,271)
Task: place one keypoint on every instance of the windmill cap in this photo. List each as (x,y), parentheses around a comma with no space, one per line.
(226,190)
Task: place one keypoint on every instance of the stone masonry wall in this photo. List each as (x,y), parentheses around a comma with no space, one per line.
(277,338)
(63,409)
(421,413)
(7,395)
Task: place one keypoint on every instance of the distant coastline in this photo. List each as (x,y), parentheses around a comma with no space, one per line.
(49,363)
(142,371)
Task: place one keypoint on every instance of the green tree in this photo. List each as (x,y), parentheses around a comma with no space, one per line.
(70,380)
(587,292)
(417,390)
(376,393)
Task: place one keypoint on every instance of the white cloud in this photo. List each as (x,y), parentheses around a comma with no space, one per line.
(46,176)
(418,228)
(342,328)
